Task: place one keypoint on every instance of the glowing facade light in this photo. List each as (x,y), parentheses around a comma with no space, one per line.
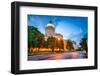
(58,38)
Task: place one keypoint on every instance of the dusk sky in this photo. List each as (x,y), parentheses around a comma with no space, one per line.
(71,27)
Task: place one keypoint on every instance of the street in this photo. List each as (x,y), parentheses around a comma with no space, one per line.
(56,56)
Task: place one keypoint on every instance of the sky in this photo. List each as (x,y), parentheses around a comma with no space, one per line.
(71,27)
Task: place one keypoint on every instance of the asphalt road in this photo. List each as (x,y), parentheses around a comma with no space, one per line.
(56,56)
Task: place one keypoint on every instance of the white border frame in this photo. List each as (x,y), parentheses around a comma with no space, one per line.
(25,65)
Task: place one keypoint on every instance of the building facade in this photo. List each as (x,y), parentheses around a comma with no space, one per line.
(50,32)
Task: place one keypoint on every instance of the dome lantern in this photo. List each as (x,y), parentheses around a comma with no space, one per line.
(50,24)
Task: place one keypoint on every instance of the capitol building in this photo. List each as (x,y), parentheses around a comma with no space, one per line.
(50,32)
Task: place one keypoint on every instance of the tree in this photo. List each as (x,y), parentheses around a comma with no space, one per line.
(83,44)
(45,44)
(35,37)
(51,43)
(40,40)
(69,45)
(31,37)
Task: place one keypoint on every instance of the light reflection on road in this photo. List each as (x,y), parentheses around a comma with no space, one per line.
(57,56)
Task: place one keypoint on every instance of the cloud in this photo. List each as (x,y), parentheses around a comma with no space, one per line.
(61,28)
(65,29)
(69,32)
